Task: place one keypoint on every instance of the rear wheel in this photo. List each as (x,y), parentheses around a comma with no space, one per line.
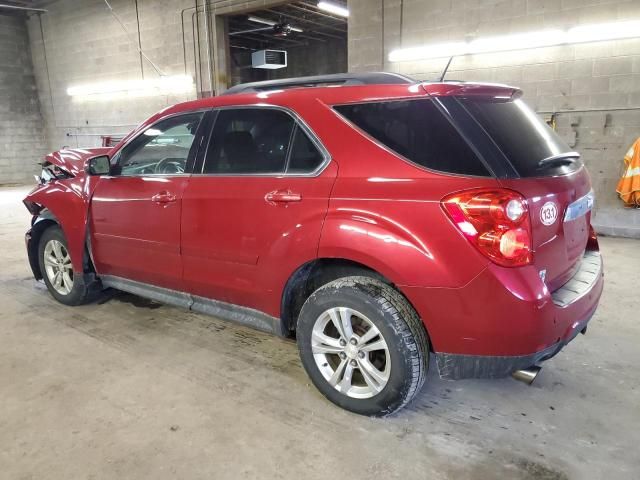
(363,345)
(57,271)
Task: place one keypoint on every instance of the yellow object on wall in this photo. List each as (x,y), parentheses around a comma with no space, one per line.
(629,184)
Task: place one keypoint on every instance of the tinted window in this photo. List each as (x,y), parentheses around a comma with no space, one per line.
(249,141)
(305,156)
(521,135)
(417,130)
(162,148)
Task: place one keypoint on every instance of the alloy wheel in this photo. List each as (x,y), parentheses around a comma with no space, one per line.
(350,352)
(57,265)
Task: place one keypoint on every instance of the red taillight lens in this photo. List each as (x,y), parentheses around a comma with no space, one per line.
(495,221)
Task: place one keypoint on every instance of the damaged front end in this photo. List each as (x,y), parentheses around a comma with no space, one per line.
(61,198)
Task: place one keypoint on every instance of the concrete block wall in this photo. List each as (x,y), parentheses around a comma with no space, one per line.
(594,88)
(81,42)
(21,127)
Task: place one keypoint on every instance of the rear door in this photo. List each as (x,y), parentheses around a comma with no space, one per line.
(254,213)
(551,177)
(135,213)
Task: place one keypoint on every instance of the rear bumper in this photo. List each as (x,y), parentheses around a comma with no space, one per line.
(453,366)
(506,319)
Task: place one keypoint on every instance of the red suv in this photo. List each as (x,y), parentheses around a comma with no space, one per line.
(374,218)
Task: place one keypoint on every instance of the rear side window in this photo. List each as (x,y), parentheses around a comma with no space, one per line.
(521,135)
(417,130)
(259,141)
(249,141)
(305,156)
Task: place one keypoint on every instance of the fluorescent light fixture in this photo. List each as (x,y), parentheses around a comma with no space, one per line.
(603,31)
(428,51)
(263,21)
(521,41)
(135,88)
(516,42)
(333,8)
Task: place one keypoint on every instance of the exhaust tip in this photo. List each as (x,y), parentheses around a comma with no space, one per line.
(527,375)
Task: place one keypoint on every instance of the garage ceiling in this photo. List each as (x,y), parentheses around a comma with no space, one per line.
(293,24)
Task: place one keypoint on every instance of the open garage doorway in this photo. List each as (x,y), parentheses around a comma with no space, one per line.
(290,40)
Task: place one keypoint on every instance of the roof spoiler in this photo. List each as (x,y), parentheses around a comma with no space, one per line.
(342,79)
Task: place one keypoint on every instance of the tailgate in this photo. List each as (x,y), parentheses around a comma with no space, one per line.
(560,209)
(548,174)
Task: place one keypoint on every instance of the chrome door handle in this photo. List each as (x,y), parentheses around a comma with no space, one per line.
(163,197)
(282,196)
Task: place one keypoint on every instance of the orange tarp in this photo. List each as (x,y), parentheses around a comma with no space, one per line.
(629,184)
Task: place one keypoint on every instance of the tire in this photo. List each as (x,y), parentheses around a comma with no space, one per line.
(72,290)
(400,360)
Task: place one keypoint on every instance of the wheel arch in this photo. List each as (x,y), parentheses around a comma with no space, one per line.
(42,222)
(318,272)
(45,220)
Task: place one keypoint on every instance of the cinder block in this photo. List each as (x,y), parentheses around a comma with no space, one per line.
(613,66)
(625,84)
(586,85)
(544,71)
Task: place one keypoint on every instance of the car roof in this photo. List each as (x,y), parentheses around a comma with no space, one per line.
(331,90)
(340,94)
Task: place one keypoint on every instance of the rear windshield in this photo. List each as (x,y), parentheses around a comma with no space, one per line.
(417,130)
(522,136)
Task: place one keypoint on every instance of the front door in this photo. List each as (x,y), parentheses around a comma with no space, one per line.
(255,212)
(135,213)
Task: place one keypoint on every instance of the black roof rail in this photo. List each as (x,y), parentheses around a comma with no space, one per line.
(369,78)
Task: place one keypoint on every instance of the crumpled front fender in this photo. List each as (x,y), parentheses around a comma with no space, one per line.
(68,202)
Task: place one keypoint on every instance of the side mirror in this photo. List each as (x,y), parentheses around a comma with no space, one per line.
(99,165)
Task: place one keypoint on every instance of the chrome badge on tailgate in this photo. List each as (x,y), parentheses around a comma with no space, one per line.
(580,207)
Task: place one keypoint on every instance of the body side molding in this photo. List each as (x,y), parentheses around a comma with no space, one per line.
(226,311)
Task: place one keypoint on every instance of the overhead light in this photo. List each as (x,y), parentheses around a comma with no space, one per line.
(334,8)
(517,42)
(134,88)
(521,41)
(428,51)
(603,31)
(263,21)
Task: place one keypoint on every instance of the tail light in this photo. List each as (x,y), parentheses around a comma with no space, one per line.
(592,242)
(496,222)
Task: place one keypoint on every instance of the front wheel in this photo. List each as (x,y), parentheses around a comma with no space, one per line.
(57,271)
(363,345)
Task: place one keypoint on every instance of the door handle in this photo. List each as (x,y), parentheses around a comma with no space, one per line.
(163,197)
(282,196)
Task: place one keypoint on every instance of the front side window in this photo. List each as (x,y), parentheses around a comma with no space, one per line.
(417,130)
(260,141)
(162,148)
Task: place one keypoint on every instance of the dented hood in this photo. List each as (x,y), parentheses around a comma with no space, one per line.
(73,160)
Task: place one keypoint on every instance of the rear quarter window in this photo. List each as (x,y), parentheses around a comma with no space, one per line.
(418,131)
(524,139)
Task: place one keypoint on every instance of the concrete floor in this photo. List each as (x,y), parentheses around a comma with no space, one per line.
(132,389)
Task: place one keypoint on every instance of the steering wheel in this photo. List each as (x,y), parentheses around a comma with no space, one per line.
(169,165)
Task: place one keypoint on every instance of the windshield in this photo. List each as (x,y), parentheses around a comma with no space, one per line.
(522,136)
